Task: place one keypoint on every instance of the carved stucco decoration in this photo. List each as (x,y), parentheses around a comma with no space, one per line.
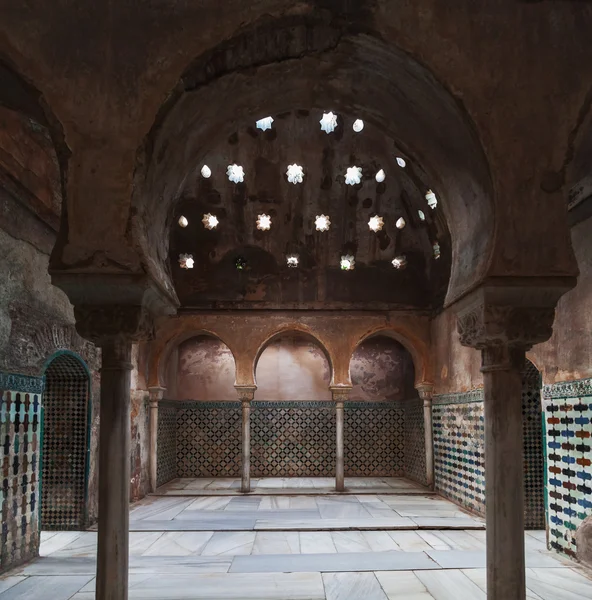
(486,325)
(246,393)
(33,341)
(340,394)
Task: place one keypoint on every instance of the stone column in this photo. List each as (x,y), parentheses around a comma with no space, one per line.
(340,395)
(503,332)
(114,470)
(156,394)
(426,392)
(246,395)
(114,328)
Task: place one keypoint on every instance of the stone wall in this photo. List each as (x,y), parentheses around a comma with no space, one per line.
(568,449)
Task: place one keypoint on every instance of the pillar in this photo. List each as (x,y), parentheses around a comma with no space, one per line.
(246,395)
(156,394)
(340,394)
(426,393)
(114,470)
(504,471)
(498,320)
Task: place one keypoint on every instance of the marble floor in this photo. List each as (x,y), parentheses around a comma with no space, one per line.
(205,486)
(347,547)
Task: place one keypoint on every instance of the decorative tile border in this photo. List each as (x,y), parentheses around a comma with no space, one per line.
(568,389)
(21,383)
(459,397)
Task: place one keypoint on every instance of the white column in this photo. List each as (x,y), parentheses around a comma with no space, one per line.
(246,395)
(156,394)
(114,470)
(340,394)
(425,393)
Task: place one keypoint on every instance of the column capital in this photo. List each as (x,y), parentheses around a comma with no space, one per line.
(340,393)
(156,394)
(246,393)
(515,314)
(102,323)
(425,391)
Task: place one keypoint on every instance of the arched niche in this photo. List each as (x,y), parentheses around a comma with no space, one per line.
(293,365)
(65,455)
(203,368)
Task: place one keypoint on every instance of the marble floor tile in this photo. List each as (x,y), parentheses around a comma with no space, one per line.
(302,503)
(180,543)
(162,510)
(479,578)
(403,585)
(448,523)
(221,483)
(350,541)
(209,503)
(409,541)
(471,559)
(46,535)
(345,524)
(6,582)
(332,563)
(352,586)
(276,542)
(221,523)
(140,541)
(229,543)
(460,540)
(558,584)
(58,541)
(316,542)
(450,585)
(380,541)
(84,545)
(275,503)
(434,540)
(248,503)
(44,588)
(342,511)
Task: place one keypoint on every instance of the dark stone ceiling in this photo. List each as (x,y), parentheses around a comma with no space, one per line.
(318,282)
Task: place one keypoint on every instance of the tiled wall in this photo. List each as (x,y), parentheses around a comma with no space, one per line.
(459,460)
(166,457)
(290,439)
(568,437)
(20,442)
(459,449)
(415,459)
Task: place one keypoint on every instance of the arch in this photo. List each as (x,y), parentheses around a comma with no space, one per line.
(65,442)
(294,329)
(418,350)
(161,359)
(432,129)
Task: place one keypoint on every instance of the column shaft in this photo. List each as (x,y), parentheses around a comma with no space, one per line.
(153,443)
(246,447)
(429,440)
(504,488)
(114,471)
(339,466)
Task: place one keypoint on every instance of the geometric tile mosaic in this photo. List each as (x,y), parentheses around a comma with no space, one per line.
(374,439)
(568,435)
(288,439)
(459,460)
(415,458)
(209,439)
(64,458)
(166,456)
(20,445)
(293,439)
(534,455)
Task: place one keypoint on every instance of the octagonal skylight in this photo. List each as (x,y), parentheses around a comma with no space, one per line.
(264,222)
(376,223)
(399,262)
(292,260)
(210,221)
(186,261)
(328,122)
(353,175)
(347,262)
(295,174)
(235,173)
(322,223)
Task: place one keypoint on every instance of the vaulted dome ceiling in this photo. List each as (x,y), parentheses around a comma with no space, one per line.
(265,280)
